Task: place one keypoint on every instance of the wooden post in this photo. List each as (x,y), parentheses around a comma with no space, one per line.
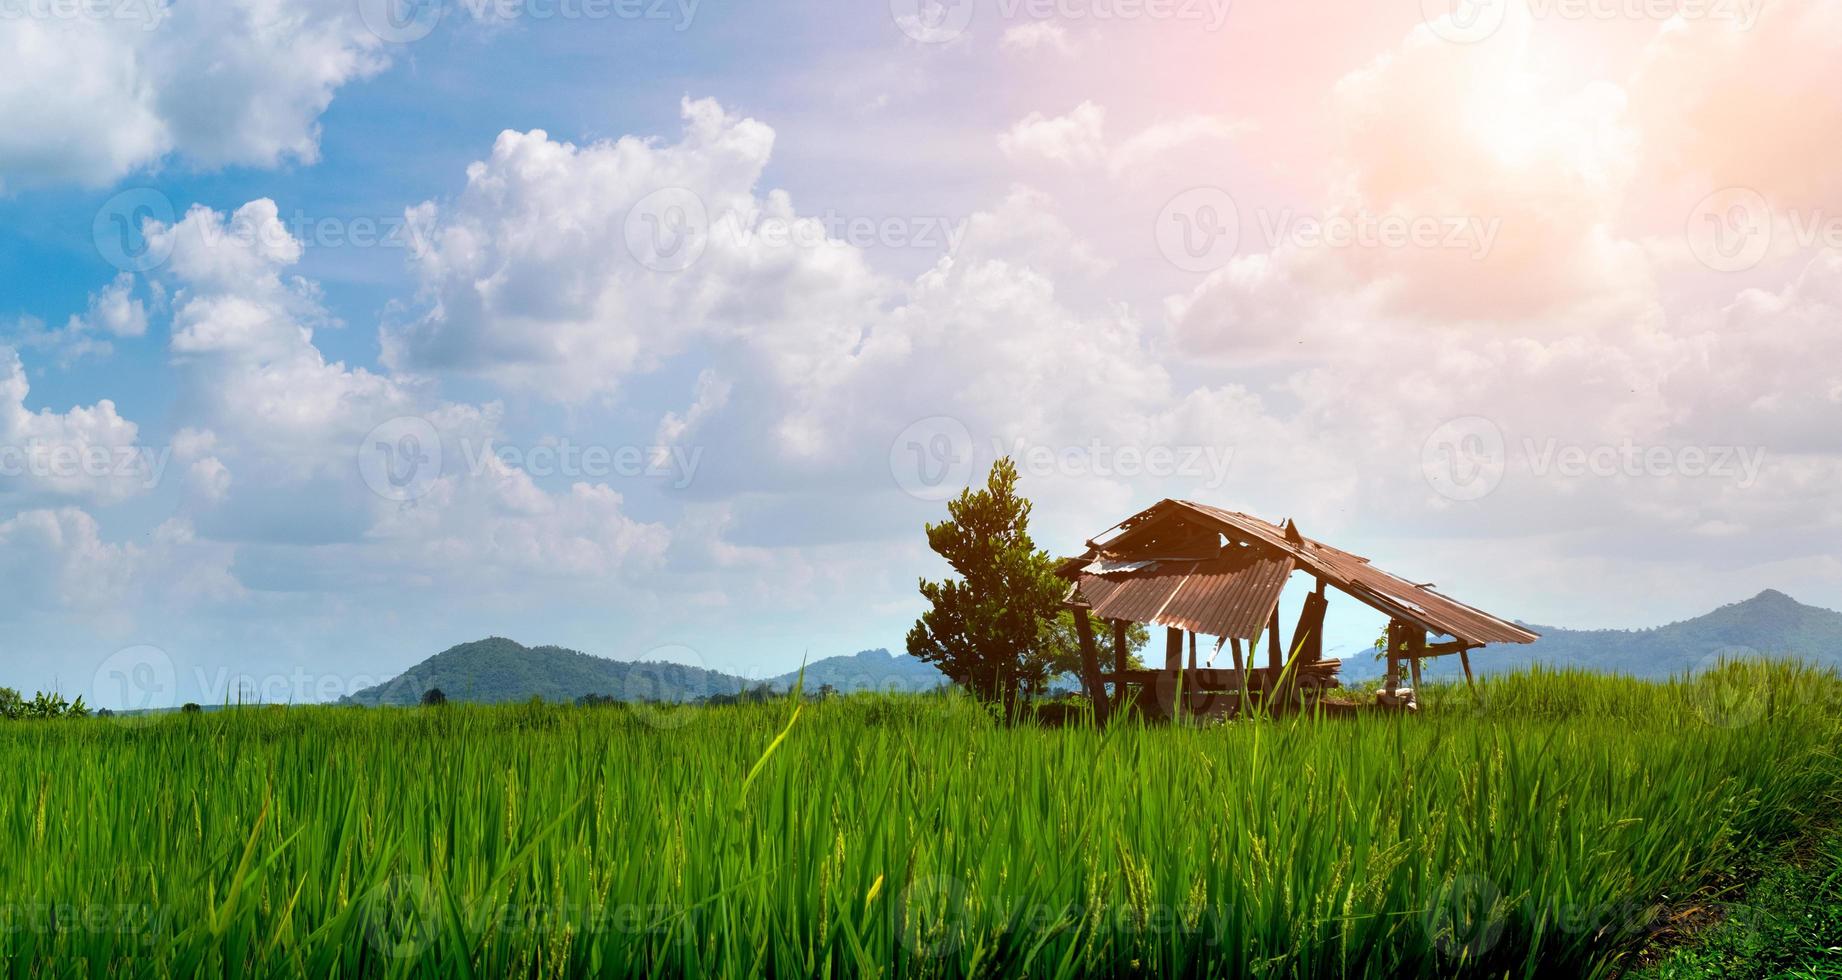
(1121,660)
(1192,653)
(1416,651)
(1464,657)
(1275,659)
(1392,682)
(1240,670)
(1173,666)
(1308,637)
(1090,665)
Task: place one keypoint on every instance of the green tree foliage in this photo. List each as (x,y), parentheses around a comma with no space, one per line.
(40,707)
(433,698)
(1065,644)
(991,631)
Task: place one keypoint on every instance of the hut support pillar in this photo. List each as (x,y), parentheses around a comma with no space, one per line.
(1173,664)
(1392,682)
(1090,665)
(1240,673)
(1121,660)
(1275,659)
(1416,651)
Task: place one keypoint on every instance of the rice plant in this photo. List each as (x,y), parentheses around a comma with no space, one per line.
(1536,826)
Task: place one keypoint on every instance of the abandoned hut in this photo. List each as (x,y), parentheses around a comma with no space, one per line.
(1200,570)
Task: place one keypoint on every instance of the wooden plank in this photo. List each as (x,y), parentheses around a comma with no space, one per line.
(1416,651)
(1275,659)
(1219,679)
(1240,671)
(1173,649)
(1120,656)
(1392,682)
(1090,665)
(1309,636)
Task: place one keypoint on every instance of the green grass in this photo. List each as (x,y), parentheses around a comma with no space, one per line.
(1787,924)
(1531,833)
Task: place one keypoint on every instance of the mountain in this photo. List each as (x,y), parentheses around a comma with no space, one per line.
(1770,624)
(870,670)
(496,670)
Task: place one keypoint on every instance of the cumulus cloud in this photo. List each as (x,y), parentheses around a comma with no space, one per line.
(567,268)
(88,452)
(277,434)
(93,92)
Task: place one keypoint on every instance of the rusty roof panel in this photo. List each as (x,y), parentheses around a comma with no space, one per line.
(1233,595)
(1230,595)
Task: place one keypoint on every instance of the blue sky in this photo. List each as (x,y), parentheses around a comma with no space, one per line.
(1507,307)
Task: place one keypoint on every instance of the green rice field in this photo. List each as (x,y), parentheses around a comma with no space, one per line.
(1550,824)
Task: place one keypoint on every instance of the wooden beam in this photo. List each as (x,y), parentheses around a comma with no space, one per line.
(1090,665)
(1470,681)
(1192,652)
(1121,659)
(1240,670)
(1173,649)
(1274,657)
(1392,682)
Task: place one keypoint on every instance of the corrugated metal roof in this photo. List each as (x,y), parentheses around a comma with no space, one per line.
(1232,594)
(1351,573)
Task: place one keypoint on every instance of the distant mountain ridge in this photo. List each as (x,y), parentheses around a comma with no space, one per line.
(497,670)
(1769,624)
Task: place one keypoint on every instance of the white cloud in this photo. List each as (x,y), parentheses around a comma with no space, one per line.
(274,434)
(87,452)
(99,91)
(1077,140)
(532,277)
(1037,35)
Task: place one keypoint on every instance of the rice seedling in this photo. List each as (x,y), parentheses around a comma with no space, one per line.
(1533,828)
